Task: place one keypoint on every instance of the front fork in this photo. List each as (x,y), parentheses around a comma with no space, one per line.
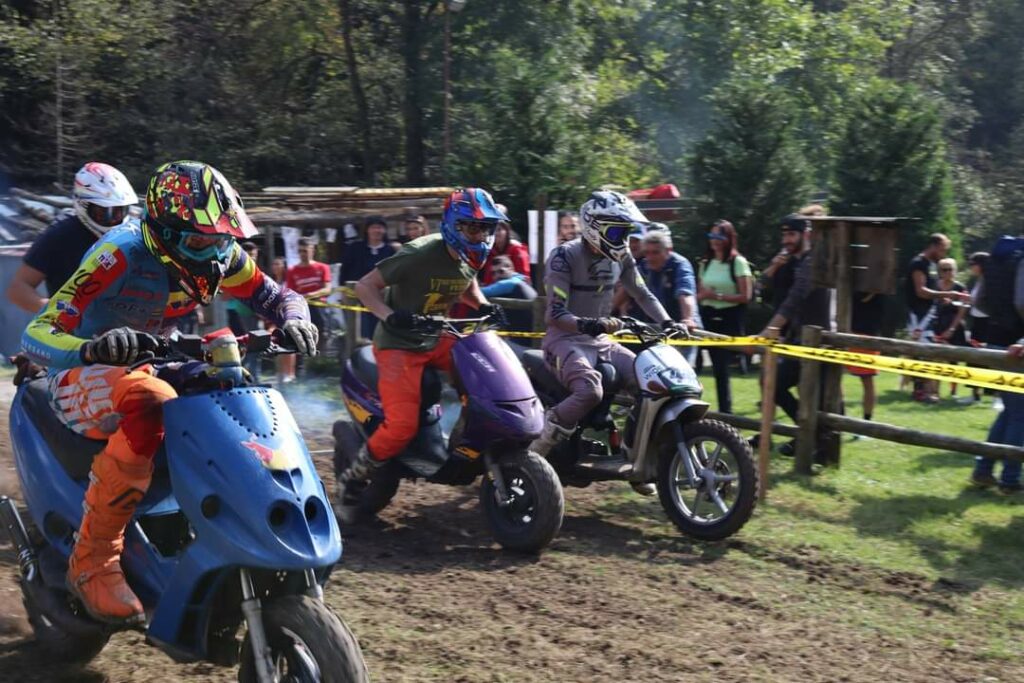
(11,521)
(494,475)
(265,669)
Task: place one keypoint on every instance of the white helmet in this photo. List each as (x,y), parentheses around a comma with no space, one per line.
(102,197)
(607,218)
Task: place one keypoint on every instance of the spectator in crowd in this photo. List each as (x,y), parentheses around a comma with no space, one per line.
(415,227)
(669,277)
(506,243)
(1007,429)
(312,280)
(568,226)
(866,314)
(102,197)
(509,284)
(777,278)
(636,245)
(285,363)
(977,320)
(361,257)
(805,304)
(241,319)
(726,285)
(946,318)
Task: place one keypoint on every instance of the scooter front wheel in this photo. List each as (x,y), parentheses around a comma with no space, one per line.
(532,515)
(708,489)
(308,642)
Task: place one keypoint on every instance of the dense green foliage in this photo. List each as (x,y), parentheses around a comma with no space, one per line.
(748,107)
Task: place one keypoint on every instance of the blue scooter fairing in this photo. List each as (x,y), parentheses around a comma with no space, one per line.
(239,473)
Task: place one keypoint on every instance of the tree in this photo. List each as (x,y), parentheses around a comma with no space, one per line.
(750,168)
(893,161)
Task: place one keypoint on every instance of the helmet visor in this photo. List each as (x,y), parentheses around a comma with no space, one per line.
(107,216)
(199,247)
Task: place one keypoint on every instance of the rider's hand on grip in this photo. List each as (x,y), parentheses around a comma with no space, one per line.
(598,326)
(494,313)
(304,335)
(120,346)
(671,326)
(401,320)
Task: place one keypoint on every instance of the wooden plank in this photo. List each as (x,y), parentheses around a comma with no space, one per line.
(770,367)
(810,400)
(940,353)
(914,437)
(753,424)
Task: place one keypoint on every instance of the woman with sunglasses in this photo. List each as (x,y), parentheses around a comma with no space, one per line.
(726,285)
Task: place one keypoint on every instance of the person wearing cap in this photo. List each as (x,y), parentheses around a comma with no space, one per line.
(804,304)
(415,227)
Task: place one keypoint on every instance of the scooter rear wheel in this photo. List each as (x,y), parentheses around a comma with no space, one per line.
(308,642)
(534,514)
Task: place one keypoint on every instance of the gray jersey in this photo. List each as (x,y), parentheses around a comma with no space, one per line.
(580,284)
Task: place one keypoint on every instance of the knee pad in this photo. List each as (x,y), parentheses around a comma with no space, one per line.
(139,398)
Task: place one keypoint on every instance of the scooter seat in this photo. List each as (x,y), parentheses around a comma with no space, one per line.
(73,451)
(541,375)
(364,367)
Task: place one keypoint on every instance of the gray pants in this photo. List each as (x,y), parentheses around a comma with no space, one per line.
(573,363)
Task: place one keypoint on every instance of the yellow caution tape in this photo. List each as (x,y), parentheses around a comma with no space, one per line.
(961,374)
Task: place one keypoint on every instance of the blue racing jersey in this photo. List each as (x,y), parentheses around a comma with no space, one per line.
(120,283)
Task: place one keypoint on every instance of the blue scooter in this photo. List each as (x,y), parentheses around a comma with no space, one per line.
(236,526)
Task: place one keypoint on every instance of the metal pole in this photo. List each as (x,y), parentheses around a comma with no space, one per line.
(447,144)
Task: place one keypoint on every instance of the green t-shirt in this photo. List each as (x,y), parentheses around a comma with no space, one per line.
(718,275)
(422,278)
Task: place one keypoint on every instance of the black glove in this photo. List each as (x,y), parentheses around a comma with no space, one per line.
(120,346)
(598,326)
(402,320)
(679,328)
(494,313)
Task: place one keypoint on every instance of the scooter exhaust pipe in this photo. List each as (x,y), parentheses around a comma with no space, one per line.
(11,520)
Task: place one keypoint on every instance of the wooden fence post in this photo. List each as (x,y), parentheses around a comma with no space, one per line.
(770,367)
(810,400)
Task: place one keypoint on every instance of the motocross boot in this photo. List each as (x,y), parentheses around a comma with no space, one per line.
(552,435)
(94,573)
(350,483)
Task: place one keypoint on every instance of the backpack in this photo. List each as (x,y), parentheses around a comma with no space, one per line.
(1002,285)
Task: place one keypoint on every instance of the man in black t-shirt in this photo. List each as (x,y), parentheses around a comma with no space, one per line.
(922,286)
(102,197)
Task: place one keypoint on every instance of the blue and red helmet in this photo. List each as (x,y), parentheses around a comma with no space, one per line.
(470,210)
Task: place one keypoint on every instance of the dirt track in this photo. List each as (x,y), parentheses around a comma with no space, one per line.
(618,597)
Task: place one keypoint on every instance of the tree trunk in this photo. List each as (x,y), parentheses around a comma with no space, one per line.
(412,111)
(358,94)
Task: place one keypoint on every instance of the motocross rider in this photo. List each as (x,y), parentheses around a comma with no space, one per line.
(128,288)
(424,278)
(580,277)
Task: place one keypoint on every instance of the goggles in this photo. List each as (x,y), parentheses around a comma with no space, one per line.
(199,247)
(107,216)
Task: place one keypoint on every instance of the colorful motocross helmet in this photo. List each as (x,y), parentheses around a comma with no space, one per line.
(607,219)
(470,210)
(102,197)
(192,219)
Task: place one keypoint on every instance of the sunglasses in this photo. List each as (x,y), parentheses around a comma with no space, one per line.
(947,270)
(717,236)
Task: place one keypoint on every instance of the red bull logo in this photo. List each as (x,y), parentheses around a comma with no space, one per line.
(272,458)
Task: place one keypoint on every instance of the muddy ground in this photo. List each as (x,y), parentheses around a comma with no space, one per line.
(618,597)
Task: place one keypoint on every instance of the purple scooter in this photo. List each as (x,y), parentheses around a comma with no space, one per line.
(520,493)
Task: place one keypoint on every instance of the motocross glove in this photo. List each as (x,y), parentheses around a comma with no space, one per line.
(406,320)
(494,313)
(120,346)
(598,326)
(303,334)
(671,326)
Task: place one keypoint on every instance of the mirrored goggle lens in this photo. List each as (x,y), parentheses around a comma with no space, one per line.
(617,233)
(107,216)
(205,246)
(477,227)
